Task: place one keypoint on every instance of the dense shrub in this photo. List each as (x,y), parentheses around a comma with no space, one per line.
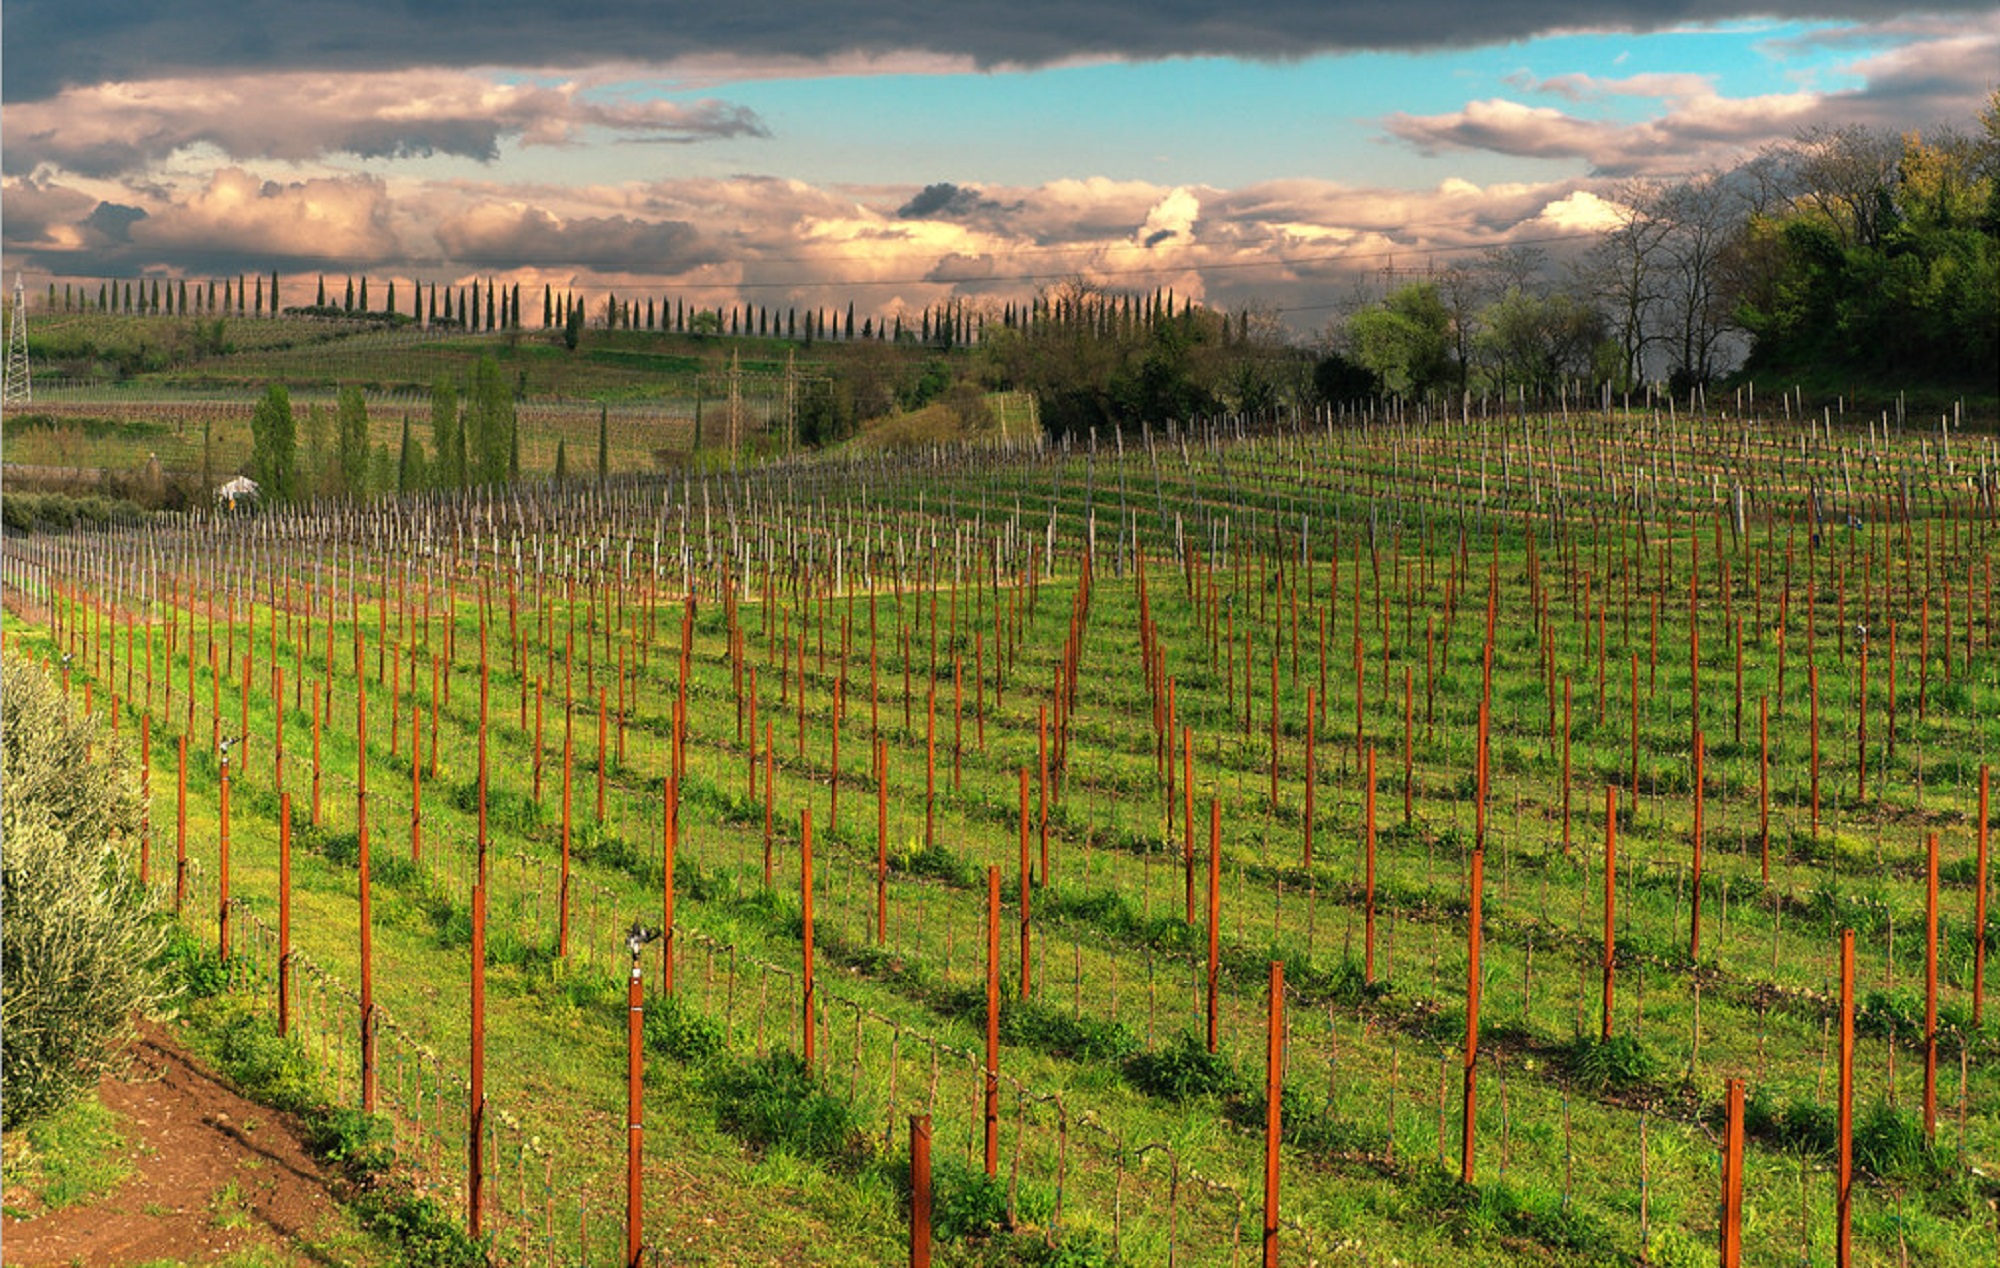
(80,940)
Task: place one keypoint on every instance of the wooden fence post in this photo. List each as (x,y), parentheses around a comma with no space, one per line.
(1844,1193)
(920,1191)
(1214,910)
(635,1132)
(809,1000)
(1610,902)
(285,915)
(1732,1179)
(1274,1075)
(992,1110)
(475,1163)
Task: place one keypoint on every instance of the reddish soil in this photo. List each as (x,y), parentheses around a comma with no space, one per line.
(190,1138)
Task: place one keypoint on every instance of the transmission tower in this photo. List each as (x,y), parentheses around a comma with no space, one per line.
(16,387)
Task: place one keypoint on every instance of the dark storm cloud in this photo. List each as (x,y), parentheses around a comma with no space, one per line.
(529,237)
(53,43)
(946,201)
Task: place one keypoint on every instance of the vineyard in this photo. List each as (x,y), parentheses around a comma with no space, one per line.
(1389,839)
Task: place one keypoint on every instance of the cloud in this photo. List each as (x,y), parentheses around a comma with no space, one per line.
(52,44)
(946,201)
(113,128)
(341,221)
(1934,72)
(495,236)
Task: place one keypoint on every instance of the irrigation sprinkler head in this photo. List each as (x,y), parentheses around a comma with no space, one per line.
(223,749)
(637,938)
(67,658)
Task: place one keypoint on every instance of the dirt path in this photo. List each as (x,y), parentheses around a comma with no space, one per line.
(214,1174)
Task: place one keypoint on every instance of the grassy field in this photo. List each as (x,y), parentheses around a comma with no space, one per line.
(1355,563)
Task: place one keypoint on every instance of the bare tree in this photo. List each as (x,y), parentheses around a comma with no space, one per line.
(1702,216)
(1625,271)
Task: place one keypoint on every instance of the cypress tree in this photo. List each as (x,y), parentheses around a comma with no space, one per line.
(403,459)
(390,307)
(603,443)
(184,298)
(363,301)
(489,303)
(850,319)
(260,294)
(515,322)
(562,462)
(791,323)
(275,310)
(321,301)
(349,305)
(548,306)
(100,297)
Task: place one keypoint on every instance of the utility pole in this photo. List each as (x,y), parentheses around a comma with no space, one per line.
(17,388)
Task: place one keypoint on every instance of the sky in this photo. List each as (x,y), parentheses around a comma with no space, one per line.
(1287,155)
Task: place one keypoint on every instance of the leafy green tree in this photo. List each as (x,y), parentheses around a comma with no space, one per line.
(1406,342)
(573,327)
(274,446)
(80,935)
(562,462)
(351,440)
(447,436)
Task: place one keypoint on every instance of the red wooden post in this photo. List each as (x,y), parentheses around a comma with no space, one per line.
(770,796)
(1214,909)
(669,847)
(1274,1074)
(810,1001)
(181,828)
(920,1191)
(475,1133)
(1610,901)
(367,906)
(1844,1194)
(1472,983)
(1026,885)
(562,896)
(1732,1179)
(1979,901)
(284,914)
(1694,913)
(930,766)
(1930,987)
(635,1132)
(222,876)
(992,1110)
(1368,880)
(881,842)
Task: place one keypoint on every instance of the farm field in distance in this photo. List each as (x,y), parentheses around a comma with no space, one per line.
(1192,703)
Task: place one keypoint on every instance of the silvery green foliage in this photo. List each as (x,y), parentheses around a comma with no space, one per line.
(78,938)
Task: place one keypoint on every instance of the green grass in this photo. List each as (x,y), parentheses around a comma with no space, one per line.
(74,1156)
